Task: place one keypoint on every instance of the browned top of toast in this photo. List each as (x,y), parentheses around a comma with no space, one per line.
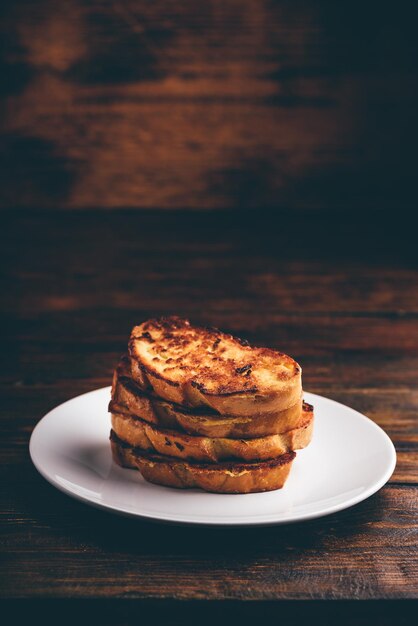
(212,361)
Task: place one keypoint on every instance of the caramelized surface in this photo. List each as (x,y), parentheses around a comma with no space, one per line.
(210,360)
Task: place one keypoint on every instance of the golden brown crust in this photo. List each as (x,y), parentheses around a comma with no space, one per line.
(140,434)
(127,397)
(221,478)
(196,366)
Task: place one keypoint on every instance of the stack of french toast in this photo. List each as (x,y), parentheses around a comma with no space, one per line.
(196,407)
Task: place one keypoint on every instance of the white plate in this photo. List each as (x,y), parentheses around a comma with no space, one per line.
(349,459)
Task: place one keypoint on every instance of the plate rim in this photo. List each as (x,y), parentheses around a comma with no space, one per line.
(185,520)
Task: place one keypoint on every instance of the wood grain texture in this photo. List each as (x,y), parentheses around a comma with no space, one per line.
(239,104)
(367,553)
(73,286)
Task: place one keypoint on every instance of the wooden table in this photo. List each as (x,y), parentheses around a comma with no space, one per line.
(337,293)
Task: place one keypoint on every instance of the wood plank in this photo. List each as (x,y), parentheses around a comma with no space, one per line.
(57,547)
(374,334)
(229,268)
(254,103)
(225,284)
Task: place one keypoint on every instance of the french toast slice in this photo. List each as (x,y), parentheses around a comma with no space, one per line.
(127,397)
(140,434)
(231,477)
(195,367)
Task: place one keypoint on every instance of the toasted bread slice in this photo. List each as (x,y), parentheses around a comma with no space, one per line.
(127,397)
(195,367)
(140,434)
(222,478)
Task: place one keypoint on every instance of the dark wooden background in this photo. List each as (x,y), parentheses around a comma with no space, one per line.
(219,103)
(293,125)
